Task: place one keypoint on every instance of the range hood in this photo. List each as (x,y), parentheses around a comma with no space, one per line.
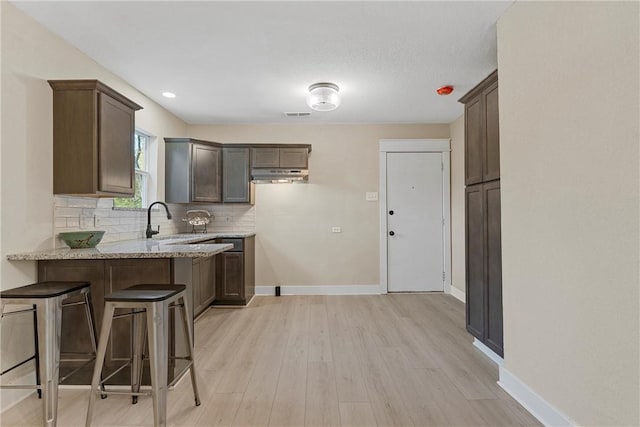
(279,176)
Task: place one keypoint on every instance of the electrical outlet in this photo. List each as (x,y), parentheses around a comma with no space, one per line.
(371,196)
(336,230)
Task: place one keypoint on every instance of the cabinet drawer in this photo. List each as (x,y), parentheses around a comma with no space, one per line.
(238,244)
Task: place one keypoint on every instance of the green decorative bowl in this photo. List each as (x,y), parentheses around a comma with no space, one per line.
(82,239)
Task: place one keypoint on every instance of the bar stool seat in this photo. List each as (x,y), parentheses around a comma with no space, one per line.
(43,290)
(46,301)
(150,304)
(145,293)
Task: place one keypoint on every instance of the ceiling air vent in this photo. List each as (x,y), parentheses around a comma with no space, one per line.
(298,114)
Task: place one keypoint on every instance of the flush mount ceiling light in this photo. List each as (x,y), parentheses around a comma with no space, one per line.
(323,96)
(168,94)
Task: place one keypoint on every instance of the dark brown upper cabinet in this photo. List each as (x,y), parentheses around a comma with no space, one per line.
(482,133)
(193,171)
(206,173)
(93,131)
(265,157)
(273,157)
(236,175)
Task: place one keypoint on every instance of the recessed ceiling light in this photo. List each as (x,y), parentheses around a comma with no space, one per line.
(168,94)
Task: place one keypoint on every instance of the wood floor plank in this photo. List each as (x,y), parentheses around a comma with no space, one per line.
(236,364)
(319,341)
(211,326)
(357,414)
(321,407)
(255,408)
(422,398)
(72,408)
(497,412)
(384,396)
(387,360)
(220,410)
(214,353)
(349,380)
(289,402)
(181,409)
(453,355)
(290,399)
(27,413)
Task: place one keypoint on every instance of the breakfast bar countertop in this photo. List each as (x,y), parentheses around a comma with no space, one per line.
(170,246)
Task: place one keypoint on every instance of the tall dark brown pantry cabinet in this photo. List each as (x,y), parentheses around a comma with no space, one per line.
(482,214)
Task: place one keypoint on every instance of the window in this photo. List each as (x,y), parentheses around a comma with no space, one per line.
(142,176)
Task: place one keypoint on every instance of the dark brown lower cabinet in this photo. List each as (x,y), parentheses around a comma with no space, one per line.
(105,277)
(204,283)
(76,339)
(235,272)
(475,247)
(484,264)
(120,274)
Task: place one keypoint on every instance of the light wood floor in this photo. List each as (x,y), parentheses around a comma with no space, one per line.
(326,360)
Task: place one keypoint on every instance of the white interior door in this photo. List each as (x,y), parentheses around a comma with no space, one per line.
(415,245)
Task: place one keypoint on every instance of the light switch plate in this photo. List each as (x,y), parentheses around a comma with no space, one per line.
(336,230)
(371,196)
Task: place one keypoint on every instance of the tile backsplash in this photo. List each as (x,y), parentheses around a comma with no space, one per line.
(82,213)
(229,217)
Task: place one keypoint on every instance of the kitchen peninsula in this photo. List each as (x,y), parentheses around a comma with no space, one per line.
(195,260)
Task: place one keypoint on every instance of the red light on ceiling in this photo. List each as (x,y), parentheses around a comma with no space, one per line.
(444,90)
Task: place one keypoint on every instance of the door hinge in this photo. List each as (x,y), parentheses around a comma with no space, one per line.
(442,221)
(442,165)
(443,276)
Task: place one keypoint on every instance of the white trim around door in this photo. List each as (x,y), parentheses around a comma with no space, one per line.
(416,146)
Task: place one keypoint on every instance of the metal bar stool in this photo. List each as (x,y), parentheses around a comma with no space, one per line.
(46,300)
(152,302)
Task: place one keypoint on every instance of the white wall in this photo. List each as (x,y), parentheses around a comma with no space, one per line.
(30,56)
(458,271)
(569,147)
(294,243)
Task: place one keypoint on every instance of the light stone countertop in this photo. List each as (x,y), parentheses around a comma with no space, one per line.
(170,246)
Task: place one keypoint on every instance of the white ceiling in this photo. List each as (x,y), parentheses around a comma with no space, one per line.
(252,61)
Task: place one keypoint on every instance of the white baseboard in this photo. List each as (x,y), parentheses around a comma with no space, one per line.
(458,294)
(321,290)
(488,352)
(546,413)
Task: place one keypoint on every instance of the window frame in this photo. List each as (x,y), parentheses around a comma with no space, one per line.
(146,174)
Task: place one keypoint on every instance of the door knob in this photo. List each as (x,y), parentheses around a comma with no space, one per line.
(391,233)
(390,212)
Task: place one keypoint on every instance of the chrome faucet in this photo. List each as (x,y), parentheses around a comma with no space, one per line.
(151,232)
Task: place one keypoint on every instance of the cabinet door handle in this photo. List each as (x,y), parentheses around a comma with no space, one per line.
(391,233)
(390,212)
